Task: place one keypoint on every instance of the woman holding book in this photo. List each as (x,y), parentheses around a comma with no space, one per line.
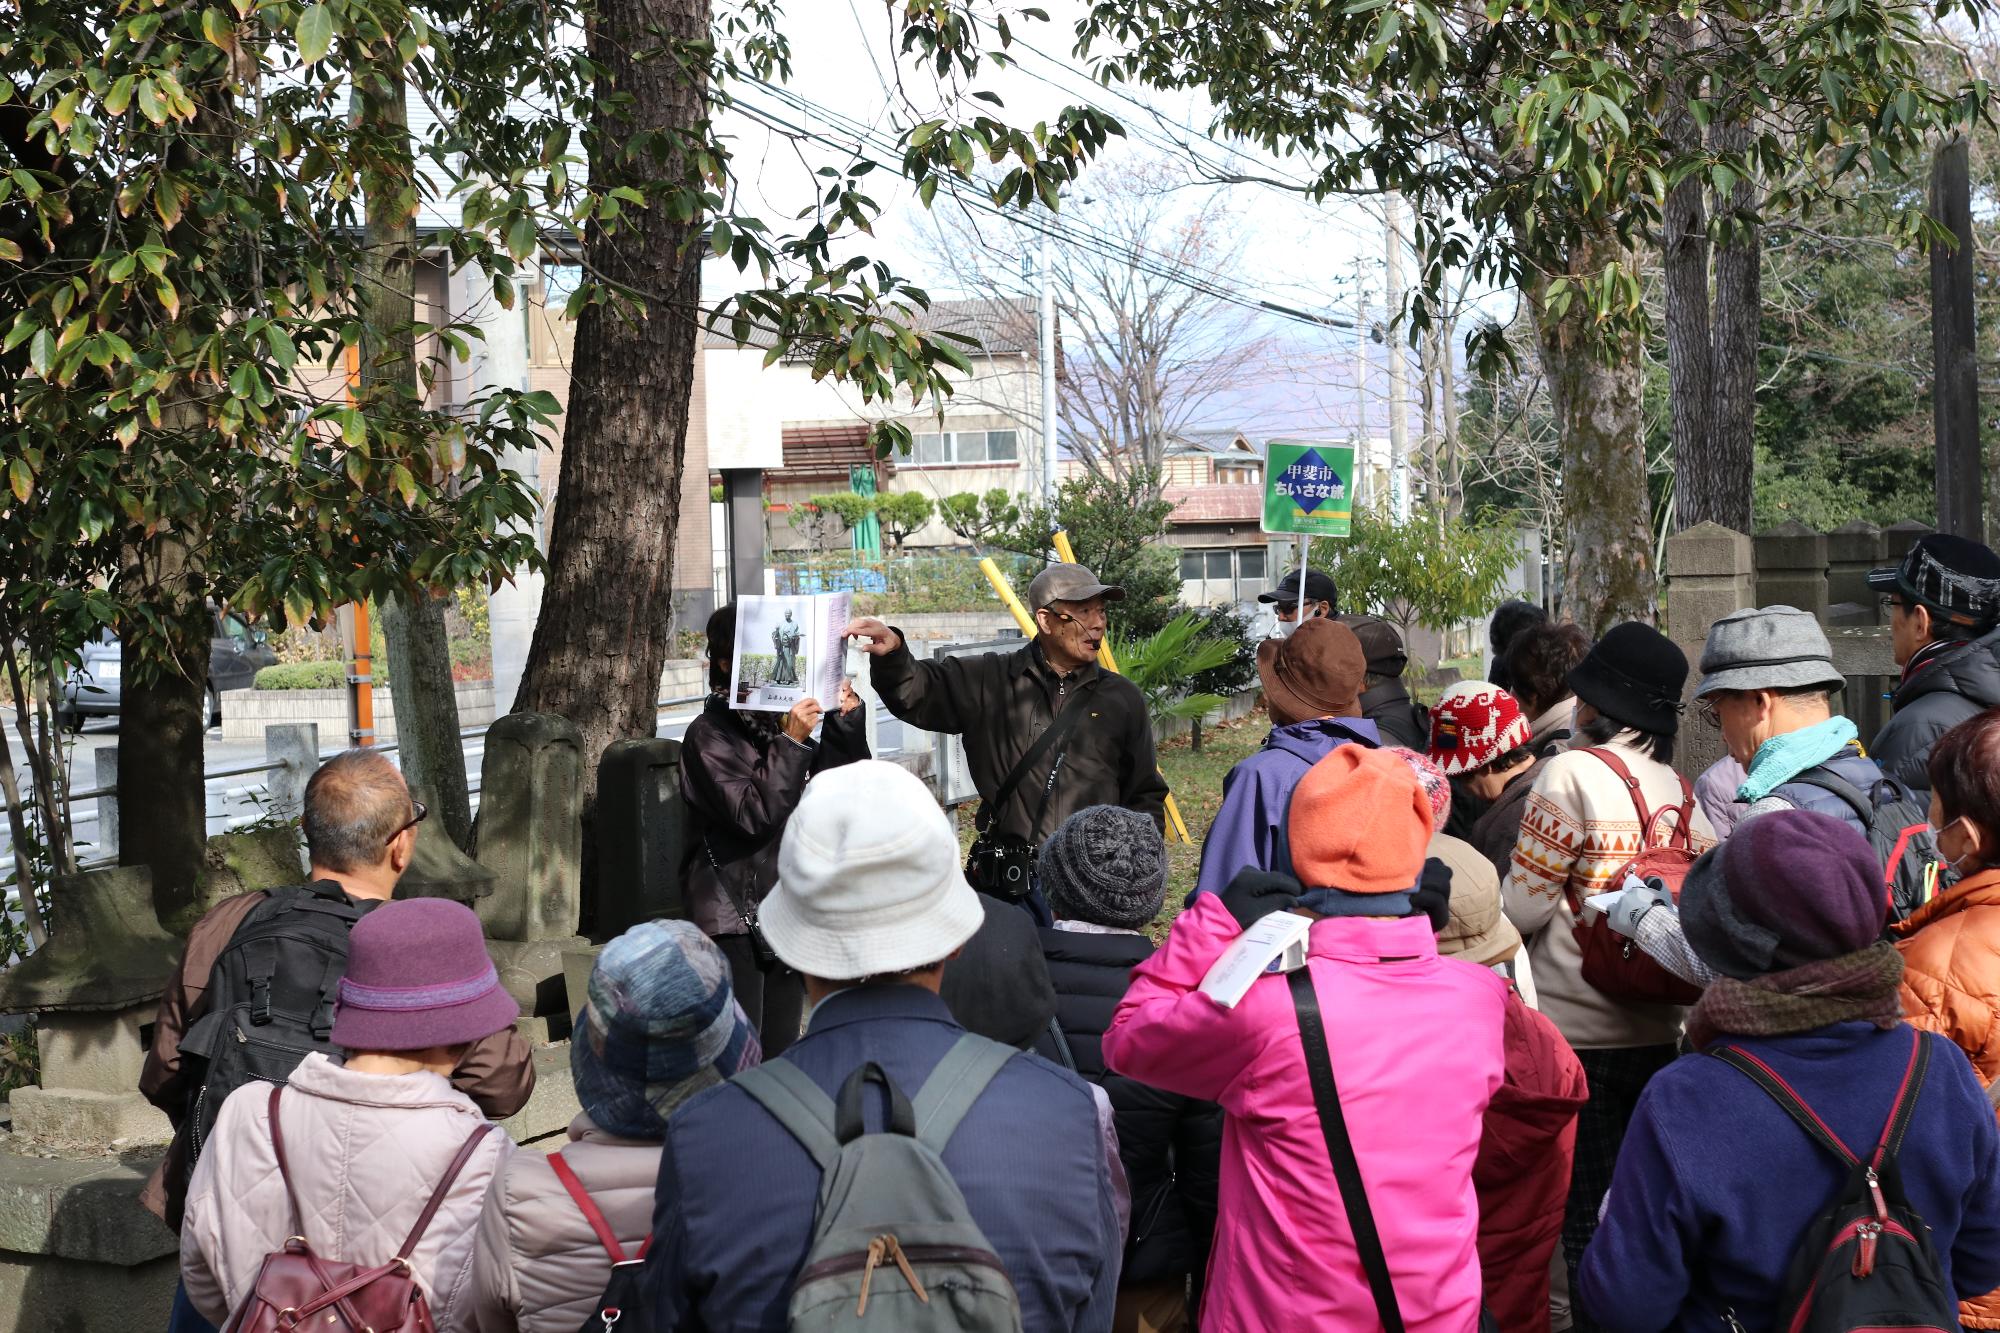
(742,774)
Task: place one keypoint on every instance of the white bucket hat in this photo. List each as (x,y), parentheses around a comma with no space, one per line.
(869,880)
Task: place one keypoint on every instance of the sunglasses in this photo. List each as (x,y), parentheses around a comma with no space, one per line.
(422,812)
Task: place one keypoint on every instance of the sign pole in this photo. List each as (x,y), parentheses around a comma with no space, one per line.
(1305,549)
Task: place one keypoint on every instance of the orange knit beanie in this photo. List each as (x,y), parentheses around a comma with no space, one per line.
(1361,822)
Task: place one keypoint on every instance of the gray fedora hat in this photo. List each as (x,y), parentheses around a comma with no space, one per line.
(1766,648)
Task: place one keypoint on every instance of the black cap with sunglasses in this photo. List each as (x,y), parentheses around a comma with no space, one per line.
(1319,588)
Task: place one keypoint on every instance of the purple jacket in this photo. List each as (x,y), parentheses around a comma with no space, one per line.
(1249,828)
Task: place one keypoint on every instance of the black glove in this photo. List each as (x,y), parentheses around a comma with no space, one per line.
(1432,895)
(1255,894)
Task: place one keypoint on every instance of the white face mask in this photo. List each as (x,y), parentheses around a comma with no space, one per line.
(1937,835)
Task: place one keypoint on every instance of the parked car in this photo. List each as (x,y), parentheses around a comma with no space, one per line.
(236,653)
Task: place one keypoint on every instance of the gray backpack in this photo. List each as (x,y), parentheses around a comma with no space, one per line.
(893,1247)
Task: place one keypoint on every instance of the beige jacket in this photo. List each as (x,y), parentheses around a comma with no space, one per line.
(1578,830)
(364,1151)
(537,1265)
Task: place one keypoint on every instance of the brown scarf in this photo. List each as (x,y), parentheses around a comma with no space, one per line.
(1857,986)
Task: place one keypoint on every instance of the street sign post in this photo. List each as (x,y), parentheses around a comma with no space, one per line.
(1309,492)
(1308,488)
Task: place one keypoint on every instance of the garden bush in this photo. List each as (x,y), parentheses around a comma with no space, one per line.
(303,676)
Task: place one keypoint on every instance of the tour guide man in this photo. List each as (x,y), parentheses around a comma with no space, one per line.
(1047,731)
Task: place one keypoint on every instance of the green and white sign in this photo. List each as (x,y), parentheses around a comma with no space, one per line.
(1308,488)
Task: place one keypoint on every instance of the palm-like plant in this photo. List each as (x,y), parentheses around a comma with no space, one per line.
(1161,665)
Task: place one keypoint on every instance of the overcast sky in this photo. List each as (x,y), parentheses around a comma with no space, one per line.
(1294,252)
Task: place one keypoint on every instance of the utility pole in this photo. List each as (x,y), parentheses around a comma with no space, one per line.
(1399,422)
(1047,340)
(1954,352)
(1364,452)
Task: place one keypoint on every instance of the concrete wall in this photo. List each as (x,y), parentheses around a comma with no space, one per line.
(245,713)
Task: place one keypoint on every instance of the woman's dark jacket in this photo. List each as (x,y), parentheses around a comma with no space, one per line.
(741,781)
(1171,1145)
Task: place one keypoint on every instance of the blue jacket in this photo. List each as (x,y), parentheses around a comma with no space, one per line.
(1249,829)
(733,1211)
(1850,764)
(1715,1184)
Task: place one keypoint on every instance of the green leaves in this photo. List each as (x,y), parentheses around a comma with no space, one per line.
(314,32)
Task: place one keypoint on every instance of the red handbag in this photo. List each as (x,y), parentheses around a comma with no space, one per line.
(1612,964)
(296,1288)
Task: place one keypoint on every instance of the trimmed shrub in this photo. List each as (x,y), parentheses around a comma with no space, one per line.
(303,676)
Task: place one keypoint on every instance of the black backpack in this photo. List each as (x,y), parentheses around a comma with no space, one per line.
(270,999)
(1867,1261)
(1898,824)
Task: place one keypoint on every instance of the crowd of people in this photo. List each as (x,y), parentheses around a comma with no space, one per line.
(1477,1015)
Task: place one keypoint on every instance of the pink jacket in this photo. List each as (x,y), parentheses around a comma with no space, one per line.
(1417,1052)
(365,1152)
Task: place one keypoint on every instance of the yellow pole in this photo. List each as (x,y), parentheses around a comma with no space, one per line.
(1106,659)
(1005,592)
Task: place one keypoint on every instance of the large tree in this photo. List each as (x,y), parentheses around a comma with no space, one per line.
(1534,144)
(660,75)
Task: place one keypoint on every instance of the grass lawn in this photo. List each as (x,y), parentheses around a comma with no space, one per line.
(1196,781)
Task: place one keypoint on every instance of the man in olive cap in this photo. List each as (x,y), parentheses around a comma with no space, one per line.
(1100,746)
(1944,606)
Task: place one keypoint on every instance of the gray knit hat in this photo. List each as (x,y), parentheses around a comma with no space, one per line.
(1766,648)
(1106,865)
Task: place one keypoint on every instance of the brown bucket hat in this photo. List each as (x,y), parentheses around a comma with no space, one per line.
(1317,672)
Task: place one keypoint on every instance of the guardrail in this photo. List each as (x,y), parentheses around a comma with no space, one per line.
(233,807)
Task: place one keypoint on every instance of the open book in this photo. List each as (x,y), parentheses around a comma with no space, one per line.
(788,648)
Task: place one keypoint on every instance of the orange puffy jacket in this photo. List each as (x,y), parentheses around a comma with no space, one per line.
(1951,985)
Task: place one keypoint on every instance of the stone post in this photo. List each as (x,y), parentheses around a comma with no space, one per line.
(93,984)
(1898,538)
(1709,574)
(641,831)
(531,839)
(1791,568)
(106,760)
(294,748)
(1852,549)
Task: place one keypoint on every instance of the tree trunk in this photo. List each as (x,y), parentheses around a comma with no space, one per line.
(601,640)
(412,622)
(1719,488)
(1684,250)
(162,718)
(1596,383)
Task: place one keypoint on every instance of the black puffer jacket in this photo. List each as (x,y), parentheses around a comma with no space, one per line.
(1951,683)
(1400,719)
(1171,1145)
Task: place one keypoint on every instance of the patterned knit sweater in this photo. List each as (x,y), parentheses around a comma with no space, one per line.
(1579,830)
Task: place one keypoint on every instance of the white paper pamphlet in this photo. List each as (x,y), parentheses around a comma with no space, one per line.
(1251,954)
(788,648)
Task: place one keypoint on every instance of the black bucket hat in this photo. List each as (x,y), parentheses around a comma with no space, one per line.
(1634,675)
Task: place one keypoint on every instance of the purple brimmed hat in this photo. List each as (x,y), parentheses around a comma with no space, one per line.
(418,975)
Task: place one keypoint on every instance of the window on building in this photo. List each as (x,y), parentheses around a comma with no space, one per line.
(1191,566)
(1250,562)
(551,338)
(965,446)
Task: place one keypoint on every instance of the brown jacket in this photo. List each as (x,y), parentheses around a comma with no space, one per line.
(1951,985)
(498,1072)
(1000,703)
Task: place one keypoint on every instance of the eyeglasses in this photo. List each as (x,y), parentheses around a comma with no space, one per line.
(1705,709)
(422,813)
(1099,617)
(1286,608)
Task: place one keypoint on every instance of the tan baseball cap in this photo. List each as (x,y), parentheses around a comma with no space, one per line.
(1069,583)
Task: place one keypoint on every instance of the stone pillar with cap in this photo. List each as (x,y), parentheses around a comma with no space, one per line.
(92,986)
(1791,568)
(1852,549)
(1709,576)
(1898,538)
(531,841)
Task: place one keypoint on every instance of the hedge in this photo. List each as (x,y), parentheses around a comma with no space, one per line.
(303,676)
